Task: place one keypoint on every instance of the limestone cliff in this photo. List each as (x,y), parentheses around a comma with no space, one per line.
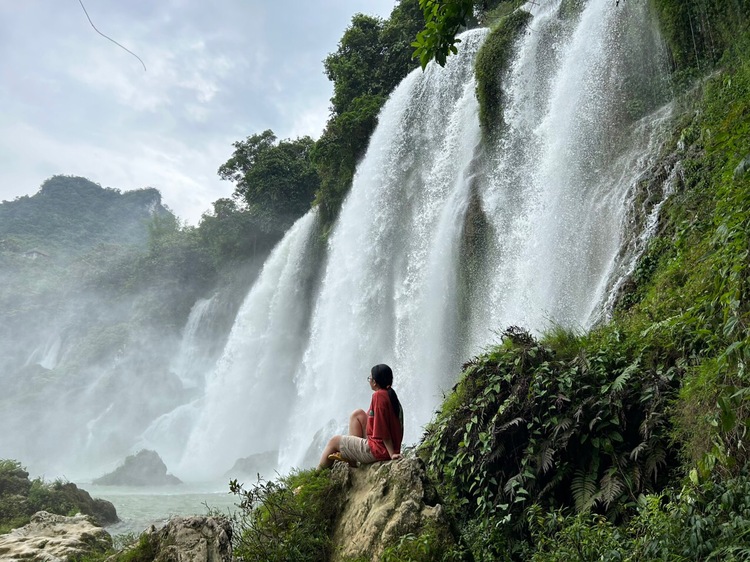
(382,503)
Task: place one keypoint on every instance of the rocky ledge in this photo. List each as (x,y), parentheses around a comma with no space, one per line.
(382,502)
(184,539)
(54,538)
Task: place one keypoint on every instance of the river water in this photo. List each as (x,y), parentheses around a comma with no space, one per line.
(139,508)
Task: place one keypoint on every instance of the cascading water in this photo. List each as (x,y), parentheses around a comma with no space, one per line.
(246,398)
(554,192)
(562,176)
(190,364)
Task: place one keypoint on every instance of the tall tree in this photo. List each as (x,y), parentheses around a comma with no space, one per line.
(276,180)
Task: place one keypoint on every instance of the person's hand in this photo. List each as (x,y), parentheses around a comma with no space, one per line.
(395,456)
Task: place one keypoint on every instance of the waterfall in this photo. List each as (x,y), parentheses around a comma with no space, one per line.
(389,287)
(562,177)
(47,355)
(583,124)
(246,401)
(191,362)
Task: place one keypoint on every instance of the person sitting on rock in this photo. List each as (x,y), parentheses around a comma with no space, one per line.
(375,435)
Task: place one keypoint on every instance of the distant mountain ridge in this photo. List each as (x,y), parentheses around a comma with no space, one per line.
(71,213)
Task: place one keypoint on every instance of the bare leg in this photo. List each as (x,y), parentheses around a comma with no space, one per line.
(358,423)
(332,447)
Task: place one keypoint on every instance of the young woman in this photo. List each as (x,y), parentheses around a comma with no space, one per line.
(374,435)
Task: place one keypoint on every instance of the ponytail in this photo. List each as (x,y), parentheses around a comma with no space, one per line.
(383,376)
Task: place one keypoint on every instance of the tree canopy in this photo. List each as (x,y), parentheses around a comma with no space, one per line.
(276,180)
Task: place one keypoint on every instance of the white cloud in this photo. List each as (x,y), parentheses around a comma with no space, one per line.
(74,103)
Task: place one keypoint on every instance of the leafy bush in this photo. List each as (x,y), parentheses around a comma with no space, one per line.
(706,522)
(20,498)
(587,431)
(288,519)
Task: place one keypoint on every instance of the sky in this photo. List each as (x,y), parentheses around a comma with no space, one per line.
(74,103)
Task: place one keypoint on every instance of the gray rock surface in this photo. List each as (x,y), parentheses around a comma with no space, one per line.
(54,538)
(381,503)
(259,463)
(142,469)
(189,539)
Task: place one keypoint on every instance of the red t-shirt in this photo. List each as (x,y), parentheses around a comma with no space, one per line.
(383,423)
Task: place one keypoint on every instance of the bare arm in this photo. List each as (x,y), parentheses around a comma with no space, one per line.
(389,447)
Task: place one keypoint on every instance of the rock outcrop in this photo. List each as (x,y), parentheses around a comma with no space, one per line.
(382,502)
(185,539)
(54,538)
(259,463)
(20,498)
(142,469)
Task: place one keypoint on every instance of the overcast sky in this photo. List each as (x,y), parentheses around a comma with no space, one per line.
(72,102)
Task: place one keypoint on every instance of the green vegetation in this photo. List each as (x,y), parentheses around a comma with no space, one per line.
(442,22)
(428,546)
(444,19)
(491,62)
(276,180)
(575,422)
(288,519)
(71,214)
(20,498)
(699,32)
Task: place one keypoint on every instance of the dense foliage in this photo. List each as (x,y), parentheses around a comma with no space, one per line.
(491,62)
(443,20)
(568,422)
(276,180)
(71,214)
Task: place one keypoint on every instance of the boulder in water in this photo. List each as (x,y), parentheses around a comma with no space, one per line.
(55,538)
(259,463)
(142,469)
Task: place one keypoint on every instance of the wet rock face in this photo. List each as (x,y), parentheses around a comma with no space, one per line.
(143,469)
(190,539)
(381,503)
(54,538)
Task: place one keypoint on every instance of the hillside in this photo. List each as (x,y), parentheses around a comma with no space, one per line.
(96,287)
(72,214)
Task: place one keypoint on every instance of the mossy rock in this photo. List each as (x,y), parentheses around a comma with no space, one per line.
(490,67)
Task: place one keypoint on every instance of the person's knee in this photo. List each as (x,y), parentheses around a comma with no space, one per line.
(334,442)
(357,414)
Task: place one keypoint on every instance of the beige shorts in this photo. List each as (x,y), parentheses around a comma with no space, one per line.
(356,449)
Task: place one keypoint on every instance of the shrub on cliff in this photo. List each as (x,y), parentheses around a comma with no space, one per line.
(20,498)
(568,422)
(287,519)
